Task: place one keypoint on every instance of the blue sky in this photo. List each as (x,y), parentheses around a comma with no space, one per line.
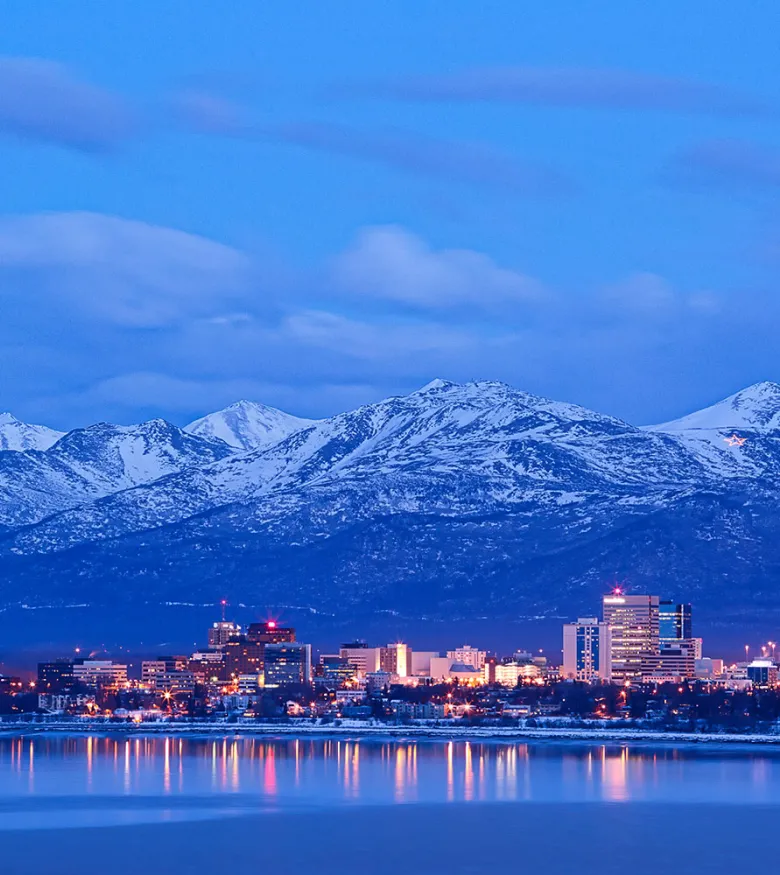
(317,205)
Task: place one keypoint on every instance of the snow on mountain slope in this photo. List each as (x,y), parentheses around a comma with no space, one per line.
(20,436)
(247,425)
(737,437)
(756,408)
(92,462)
(447,449)
(117,457)
(453,500)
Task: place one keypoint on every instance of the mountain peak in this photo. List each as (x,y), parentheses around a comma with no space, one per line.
(433,386)
(247,425)
(755,407)
(20,436)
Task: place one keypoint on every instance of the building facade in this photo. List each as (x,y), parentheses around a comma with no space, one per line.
(674,622)
(396,659)
(335,672)
(100,673)
(364,658)
(270,633)
(468,655)
(587,650)
(55,677)
(221,632)
(634,633)
(287,664)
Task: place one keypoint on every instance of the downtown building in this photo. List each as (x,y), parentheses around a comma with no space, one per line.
(587,651)
(647,639)
(287,664)
(678,650)
(634,632)
(396,659)
(365,659)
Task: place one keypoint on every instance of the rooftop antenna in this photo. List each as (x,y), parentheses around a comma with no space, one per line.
(224,604)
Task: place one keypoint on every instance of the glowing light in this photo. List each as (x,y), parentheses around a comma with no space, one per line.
(272,624)
(735,440)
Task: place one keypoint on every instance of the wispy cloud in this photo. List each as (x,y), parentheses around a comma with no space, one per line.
(726,164)
(45,101)
(472,163)
(566,86)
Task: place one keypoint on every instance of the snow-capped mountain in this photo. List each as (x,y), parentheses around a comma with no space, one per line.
(247,425)
(17,435)
(455,498)
(92,462)
(737,437)
(445,449)
(756,408)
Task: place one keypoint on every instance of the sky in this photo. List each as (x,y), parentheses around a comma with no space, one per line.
(317,205)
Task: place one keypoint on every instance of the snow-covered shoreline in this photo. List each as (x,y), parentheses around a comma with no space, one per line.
(358,729)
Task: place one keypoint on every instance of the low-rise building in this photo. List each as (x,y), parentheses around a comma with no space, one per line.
(100,673)
(468,655)
(509,674)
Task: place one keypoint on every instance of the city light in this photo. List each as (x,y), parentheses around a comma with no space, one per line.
(640,644)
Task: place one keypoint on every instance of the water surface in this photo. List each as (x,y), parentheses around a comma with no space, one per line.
(58,781)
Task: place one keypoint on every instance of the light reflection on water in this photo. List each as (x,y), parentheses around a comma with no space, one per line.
(147,778)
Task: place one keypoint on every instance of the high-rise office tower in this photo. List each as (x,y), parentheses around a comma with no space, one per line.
(678,648)
(674,622)
(269,633)
(633,622)
(587,654)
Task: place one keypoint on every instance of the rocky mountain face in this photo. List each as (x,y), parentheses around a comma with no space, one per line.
(456,500)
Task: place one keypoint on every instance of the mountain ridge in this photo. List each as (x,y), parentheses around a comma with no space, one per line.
(451,494)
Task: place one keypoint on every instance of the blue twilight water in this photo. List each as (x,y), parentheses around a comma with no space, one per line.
(53,781)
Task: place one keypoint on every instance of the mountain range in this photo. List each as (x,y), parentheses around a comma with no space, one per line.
(458,500)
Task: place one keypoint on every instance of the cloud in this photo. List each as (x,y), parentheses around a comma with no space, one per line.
(472,163)
(392,264)
(568,86)
(373,341)
(44,101)
(647,296)
(726,164)
(462,162)
(396,312)
(208,113)
(120,271)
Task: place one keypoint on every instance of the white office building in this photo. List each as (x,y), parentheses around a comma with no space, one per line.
(587,646)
